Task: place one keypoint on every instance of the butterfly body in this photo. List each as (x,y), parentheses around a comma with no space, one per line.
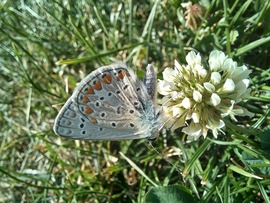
(111,103)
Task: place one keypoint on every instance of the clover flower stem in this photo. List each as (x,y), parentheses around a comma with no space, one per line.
(205,146)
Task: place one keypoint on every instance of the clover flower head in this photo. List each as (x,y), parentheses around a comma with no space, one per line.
(193,15)
(198,98)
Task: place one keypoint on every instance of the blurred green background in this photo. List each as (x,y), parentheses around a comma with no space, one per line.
(44,44)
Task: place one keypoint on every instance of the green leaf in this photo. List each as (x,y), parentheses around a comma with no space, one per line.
(88,58)
(265,139)
(252,45)
(138,169)
(172,194)
(259,165)
(243,172)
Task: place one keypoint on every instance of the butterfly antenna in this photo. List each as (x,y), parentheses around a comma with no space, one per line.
(170,99)
(165,158)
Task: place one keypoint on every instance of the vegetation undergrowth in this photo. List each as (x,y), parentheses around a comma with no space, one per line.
(46,47)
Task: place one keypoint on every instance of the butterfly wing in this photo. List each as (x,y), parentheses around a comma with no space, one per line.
(109,104)
(150,81)
(70,123)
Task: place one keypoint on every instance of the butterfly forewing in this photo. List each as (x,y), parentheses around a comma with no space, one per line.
(109,104)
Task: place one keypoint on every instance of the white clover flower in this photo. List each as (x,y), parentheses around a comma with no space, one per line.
(198,98)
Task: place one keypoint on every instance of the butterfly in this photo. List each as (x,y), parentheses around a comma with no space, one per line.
(111,103)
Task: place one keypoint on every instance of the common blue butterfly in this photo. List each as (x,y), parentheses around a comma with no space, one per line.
(111,103)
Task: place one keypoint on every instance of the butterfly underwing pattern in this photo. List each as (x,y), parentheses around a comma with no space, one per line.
(111,103)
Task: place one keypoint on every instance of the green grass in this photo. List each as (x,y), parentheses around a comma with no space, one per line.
(42,43)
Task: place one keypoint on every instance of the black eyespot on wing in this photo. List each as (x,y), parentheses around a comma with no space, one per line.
(102,114)
(104,75)
(138,105)
(118,110)
(125,87)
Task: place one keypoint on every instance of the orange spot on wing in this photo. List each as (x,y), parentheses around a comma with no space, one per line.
(86,99)
(121,74)
(88,110)
(107,79)
(98,86)
(90,91)
(94,120)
